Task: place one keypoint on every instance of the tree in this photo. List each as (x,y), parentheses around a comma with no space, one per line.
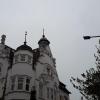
(89,84)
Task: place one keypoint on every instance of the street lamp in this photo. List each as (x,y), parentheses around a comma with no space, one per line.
(96,88)
(89,37)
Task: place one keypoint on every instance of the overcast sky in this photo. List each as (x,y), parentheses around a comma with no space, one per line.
(65,22)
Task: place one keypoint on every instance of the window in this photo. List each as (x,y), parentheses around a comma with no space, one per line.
(51,94)
(29,59)
(55,94)
(20,83)
(16,58)
(40,89)
(48,71)
(0,69)
(66,98)
(12,83)
(27,84)
(22,57)
(60,97)
(48,93)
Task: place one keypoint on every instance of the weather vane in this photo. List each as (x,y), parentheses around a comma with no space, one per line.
(25,37)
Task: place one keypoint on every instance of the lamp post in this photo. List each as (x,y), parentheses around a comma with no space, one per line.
(96,88)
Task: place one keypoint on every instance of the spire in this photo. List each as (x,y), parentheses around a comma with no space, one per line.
(43,33)
(25,38)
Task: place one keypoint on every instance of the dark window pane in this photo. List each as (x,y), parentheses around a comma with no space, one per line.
(12,83)
(27,87)
(27,84)
(20,83)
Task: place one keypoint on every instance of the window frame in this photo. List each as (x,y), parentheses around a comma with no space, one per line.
(20,83)
(16,58)
(23,57)
(13,79)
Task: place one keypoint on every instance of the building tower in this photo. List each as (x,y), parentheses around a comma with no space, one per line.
(21,75)
(30,74)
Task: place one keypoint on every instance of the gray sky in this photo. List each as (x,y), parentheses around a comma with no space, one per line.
(65,22)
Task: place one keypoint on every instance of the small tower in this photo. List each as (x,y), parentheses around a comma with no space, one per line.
(44,45)
(43,42)
(5,62)
(46,72)
(22,74)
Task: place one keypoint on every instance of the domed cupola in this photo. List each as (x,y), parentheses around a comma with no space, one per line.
(24,46)
(43,41)
(23,54)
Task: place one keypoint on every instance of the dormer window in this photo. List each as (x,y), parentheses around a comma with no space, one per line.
(22,57)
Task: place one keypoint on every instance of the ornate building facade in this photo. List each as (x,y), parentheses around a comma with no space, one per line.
(29,74)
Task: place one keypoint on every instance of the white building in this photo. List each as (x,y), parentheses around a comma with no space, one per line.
(29,74)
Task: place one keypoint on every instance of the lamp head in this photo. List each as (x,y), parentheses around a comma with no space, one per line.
(86,37)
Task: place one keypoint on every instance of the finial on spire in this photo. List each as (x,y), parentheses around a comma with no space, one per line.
(3,39)
(25,37)
(43,33)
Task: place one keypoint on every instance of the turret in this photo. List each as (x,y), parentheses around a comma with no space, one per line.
(44,45)
(6,58)
(43,42)
(22,74)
